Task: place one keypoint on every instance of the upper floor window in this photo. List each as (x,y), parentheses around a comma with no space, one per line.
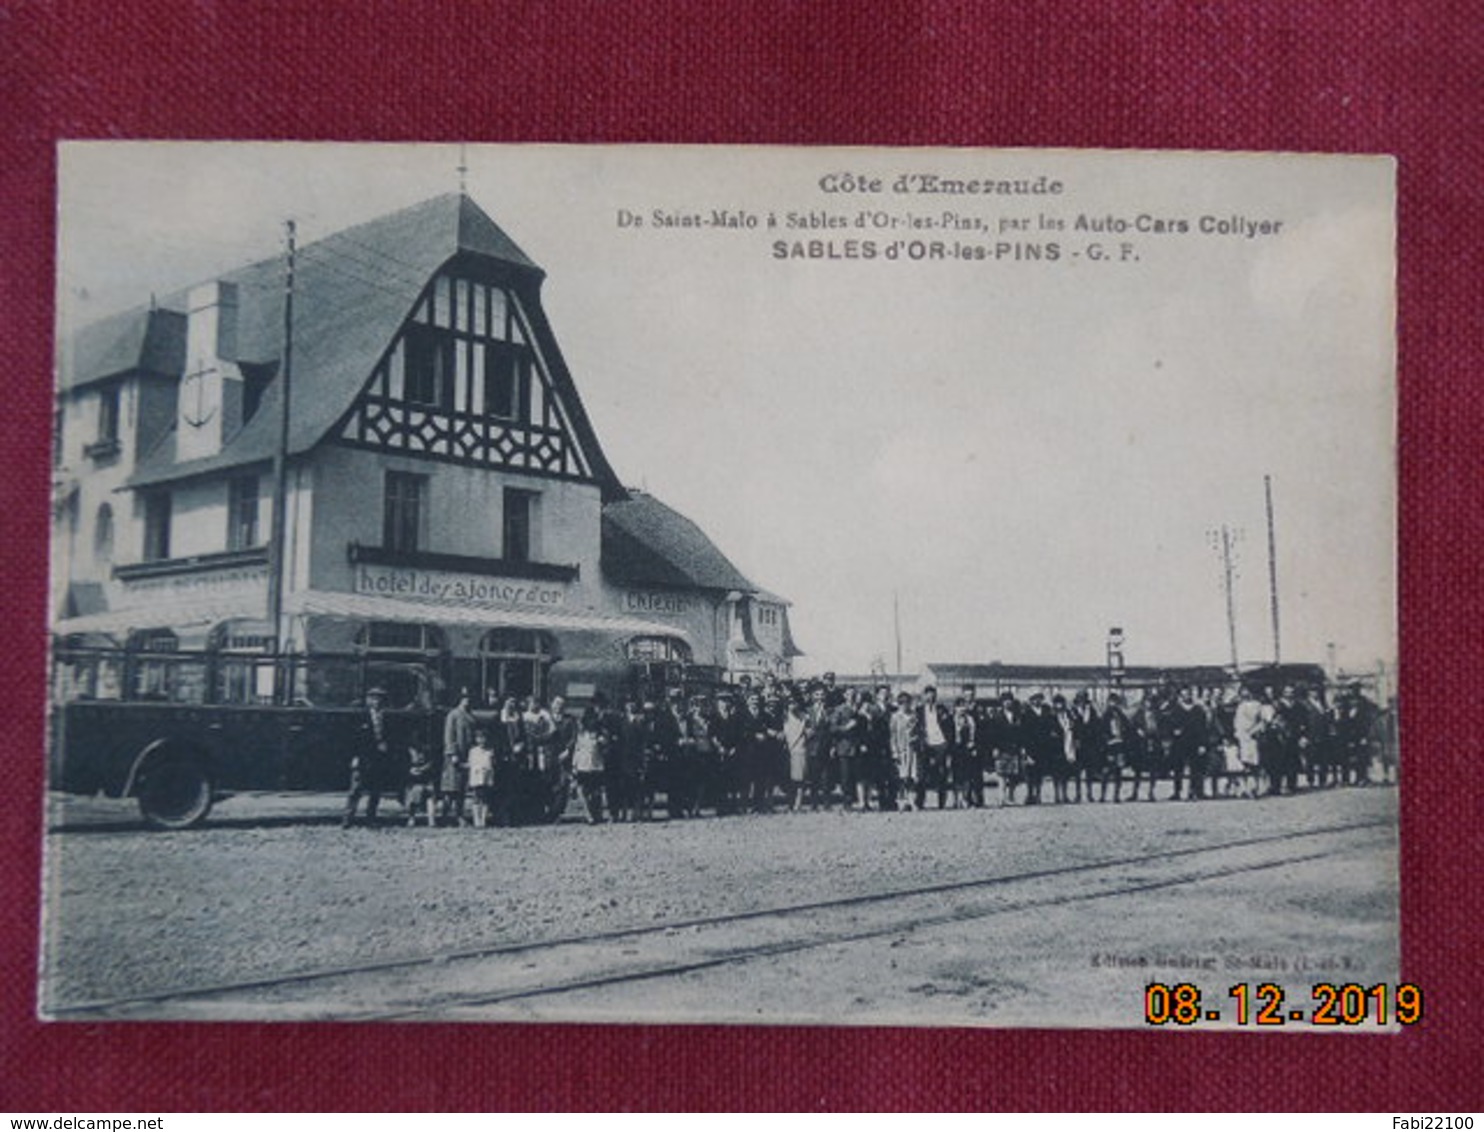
(520,518)
(103,535)
(429,374)
(506,381)
(242,513)
(255,382)
(106,443)
(404,510)
(464,351)
(157,526)
(108,413)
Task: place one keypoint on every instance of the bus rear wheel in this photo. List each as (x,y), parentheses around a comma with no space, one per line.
(174,795)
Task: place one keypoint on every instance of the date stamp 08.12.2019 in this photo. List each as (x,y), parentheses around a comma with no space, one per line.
(1269,1004)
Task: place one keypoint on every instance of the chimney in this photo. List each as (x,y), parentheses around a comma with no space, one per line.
(210,396)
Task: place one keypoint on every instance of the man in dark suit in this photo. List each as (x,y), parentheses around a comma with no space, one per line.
(370,764)
(1120,748)
(1293,733)
(1187,730)
(818,746)
(1002,732)
(686,778)
(661,750)
(935,732)
(1042,735)
(1355,721)
(628,794)
(728,740)
(1087,740)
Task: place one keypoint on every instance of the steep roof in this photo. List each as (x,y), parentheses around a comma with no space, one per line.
(146,338)
(646,543)
(352,291)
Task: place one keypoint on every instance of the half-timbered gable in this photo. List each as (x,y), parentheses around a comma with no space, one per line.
(468,380)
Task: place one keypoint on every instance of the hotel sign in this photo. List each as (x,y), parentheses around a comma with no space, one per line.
(458,589)
(242,583)
(674,605)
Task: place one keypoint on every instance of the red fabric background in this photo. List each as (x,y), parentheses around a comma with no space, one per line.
(1401,78)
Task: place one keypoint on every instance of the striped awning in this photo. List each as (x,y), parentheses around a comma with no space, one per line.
(371,607)
(363,607)
(172,615)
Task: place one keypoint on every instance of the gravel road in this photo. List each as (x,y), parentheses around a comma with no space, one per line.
(132,912)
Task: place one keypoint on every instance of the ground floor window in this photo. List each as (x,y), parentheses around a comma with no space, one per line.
(510,662)
(659,648)
(343,681)
(412,638)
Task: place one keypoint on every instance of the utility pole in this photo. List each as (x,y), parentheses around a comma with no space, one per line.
(1231,605)
(1224,542)
(1115,656)
(1267,487)
(896,619)
(277,559)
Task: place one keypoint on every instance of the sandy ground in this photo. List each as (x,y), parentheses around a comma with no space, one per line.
(274,891)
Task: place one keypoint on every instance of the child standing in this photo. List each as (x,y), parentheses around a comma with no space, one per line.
(421,795)
(481,777)
(451,786)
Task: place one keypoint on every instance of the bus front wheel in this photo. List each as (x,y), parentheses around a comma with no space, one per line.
(174,794)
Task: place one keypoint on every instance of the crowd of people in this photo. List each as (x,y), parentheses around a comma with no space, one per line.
(815,745)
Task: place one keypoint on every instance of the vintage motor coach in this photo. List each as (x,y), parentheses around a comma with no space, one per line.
(180,730)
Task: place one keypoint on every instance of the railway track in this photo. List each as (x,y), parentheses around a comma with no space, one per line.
(474,982)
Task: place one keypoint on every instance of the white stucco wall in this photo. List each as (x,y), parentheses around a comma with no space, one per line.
(464,515)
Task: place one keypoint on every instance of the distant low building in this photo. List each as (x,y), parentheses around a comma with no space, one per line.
(660,565)
(990,680)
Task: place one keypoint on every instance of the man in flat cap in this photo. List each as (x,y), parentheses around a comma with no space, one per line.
(369,763)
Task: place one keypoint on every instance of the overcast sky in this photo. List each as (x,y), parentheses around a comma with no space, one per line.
(1026,452)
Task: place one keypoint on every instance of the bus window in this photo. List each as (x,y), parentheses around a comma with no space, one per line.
(332,682)
(188,681)
(76,678)
(406,686)
(162,674)
(244,680)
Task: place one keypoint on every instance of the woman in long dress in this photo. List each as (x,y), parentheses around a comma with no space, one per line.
(588,765)
(904,749)
(796,742)
(458,737)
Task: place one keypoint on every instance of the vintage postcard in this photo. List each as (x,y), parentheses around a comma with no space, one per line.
(746,585)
